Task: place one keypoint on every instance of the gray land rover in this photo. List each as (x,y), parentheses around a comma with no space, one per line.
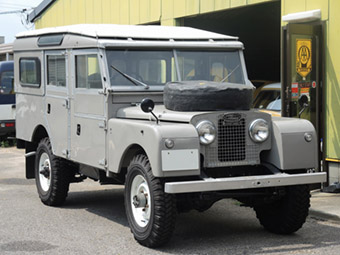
(166,111)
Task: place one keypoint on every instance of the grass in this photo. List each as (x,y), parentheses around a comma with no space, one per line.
(7,143)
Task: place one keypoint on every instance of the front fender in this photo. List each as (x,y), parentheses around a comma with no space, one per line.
(290,150)
(181,160)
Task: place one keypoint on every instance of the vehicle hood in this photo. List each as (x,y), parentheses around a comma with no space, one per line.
(135,112)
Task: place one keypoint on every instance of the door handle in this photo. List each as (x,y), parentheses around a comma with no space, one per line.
(48,108)
(78,129)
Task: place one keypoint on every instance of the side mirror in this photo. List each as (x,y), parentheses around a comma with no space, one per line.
(147,105)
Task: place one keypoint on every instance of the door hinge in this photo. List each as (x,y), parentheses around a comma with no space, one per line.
(66,104)
(103,163)
(66,153)
(102,91)
(102,124)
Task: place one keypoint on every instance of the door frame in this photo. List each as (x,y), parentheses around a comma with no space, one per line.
(286,77)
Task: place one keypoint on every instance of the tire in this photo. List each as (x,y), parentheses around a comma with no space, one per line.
(207,96)
(52,175)
(152,220)
(288,214)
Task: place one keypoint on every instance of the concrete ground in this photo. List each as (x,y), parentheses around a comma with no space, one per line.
(325,205)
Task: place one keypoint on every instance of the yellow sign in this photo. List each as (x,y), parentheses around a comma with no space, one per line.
(303,56)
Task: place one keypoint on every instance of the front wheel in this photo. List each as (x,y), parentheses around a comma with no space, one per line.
(151,213)
(288,214)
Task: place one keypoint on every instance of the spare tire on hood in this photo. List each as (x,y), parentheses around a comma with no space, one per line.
(207,96)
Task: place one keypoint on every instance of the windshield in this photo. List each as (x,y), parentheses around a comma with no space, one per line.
(210,66)
(150,67)
(157,67)
(6,83)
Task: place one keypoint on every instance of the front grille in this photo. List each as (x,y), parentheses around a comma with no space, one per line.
(233,146)
(231,140)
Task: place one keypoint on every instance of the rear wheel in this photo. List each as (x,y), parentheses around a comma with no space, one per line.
(151,213)
(288,214)
(52,175)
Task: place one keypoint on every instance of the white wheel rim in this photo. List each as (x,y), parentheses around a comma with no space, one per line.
(44,164)
(140,214)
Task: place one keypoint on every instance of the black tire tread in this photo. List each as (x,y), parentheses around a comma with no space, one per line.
(287,215)
(207,96)
(61,176)
(164,219)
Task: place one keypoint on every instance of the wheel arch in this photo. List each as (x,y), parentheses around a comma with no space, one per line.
(129,153)
(39,133)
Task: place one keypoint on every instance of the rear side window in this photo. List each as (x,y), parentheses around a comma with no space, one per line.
(56,70)
(29,69)
(87,72)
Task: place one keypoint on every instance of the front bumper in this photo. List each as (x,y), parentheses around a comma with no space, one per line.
(245,182)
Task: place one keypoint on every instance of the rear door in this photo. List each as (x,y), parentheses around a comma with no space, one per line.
(57,101)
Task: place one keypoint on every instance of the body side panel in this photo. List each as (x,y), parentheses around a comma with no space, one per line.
(122,134)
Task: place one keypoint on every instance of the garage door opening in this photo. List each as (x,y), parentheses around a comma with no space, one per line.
(258,27)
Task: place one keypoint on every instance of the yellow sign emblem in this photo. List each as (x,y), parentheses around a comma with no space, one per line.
(303,56)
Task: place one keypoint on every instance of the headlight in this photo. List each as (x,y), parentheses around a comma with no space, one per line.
(206,131)
(259,130)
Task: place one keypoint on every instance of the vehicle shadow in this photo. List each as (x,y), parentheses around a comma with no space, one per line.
(108,203)
(226,228)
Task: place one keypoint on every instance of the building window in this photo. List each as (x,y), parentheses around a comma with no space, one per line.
(56,70)
(29,69)
(87,72)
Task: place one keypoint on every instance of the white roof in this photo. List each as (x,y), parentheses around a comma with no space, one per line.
(129,31)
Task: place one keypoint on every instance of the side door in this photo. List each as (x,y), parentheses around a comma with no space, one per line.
(88,110)
(57,104)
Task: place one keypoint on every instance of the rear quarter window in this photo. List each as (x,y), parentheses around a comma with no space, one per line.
(29,69)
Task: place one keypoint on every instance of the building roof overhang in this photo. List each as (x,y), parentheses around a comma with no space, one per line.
(39,10)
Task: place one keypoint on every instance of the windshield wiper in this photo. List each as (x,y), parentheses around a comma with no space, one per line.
(229,74)
(128,77)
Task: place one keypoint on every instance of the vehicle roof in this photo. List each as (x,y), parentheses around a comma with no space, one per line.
(129,31)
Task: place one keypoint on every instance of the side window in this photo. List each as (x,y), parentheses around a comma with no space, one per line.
(29,70)
(56,70)
(88,72)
